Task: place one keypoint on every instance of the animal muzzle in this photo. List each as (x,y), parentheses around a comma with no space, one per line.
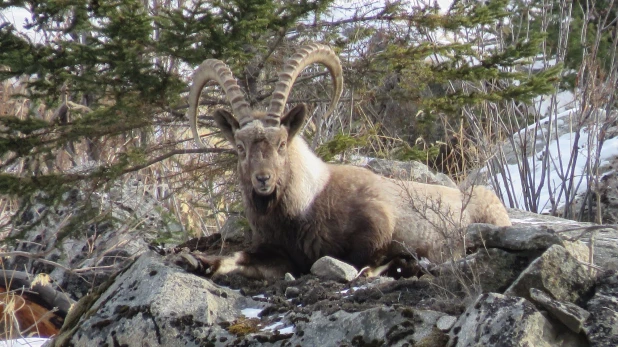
(263,183)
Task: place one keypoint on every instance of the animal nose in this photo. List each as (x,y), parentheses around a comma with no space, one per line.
(262,178)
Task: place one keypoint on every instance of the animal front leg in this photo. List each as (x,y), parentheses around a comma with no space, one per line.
(256,265)
(210,265)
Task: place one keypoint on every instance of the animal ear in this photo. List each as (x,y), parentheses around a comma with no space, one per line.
(293,120)
(227,123)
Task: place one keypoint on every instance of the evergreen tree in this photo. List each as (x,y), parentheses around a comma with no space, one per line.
(103,87)
(97,93)
(437,67)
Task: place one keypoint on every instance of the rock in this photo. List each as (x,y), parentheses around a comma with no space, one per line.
(379,281)
(154,304)
(493,270)
(516,238)
(569,314)
(500,320)
(411,171)
(445,323)
(289,277)
(578,250)
(380,326)
(602,326)
(608,192)
(292,292)
(332,269)
(605,239)
(555,272)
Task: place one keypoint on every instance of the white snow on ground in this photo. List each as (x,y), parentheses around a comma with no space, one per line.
(278,326)
(564,101)
(560,154)
(560,151)
(254,312)
(287,330)
(251,312)
(273,326)
(31,341)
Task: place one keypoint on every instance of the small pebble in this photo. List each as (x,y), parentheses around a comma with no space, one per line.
(445,323)
(292,292)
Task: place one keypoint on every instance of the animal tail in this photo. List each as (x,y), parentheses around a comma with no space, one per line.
(485,207)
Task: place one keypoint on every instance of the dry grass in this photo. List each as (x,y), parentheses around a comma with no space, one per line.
(21,317)
(456,281)
(194,188)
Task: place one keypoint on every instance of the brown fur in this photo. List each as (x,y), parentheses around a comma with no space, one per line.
(26,314)
(301,209)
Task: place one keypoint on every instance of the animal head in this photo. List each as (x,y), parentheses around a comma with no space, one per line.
(262,139)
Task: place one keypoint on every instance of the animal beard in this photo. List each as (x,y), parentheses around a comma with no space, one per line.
(264,203)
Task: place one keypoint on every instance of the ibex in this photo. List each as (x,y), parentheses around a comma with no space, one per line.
(301,208)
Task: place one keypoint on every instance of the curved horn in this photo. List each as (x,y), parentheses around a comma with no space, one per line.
(216,70)
(304,56)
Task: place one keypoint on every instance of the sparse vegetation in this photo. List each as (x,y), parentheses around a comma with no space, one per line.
(401,79)
(97,100)
(244,326)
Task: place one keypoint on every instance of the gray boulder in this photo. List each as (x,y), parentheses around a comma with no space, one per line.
(602,326)
(500,320)
(156,304)
(379,326)
(445,323)
(605,238)
(555,272)
(516,238)
(404,170)
(489,270)
(569,314)
(329,268)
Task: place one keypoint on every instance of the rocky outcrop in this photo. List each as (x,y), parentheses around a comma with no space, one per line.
(571,315)
(603,237)
(522,285)
(501,320)
(156,304)
(602,326)
(534,283)
(380,326)
(555,272)
(407,170)
(403,170)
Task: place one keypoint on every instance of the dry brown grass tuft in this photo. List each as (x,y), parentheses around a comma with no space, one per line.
(20,316)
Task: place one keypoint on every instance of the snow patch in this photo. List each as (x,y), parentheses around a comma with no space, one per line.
(251,312)
(31,341)
(276,327)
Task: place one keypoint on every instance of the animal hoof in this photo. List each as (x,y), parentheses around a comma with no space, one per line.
(195,263)
(188,262)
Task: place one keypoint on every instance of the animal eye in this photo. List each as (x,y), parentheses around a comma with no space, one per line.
(240,148)
(282,144)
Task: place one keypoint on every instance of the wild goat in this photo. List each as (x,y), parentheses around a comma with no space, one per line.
(301,208)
